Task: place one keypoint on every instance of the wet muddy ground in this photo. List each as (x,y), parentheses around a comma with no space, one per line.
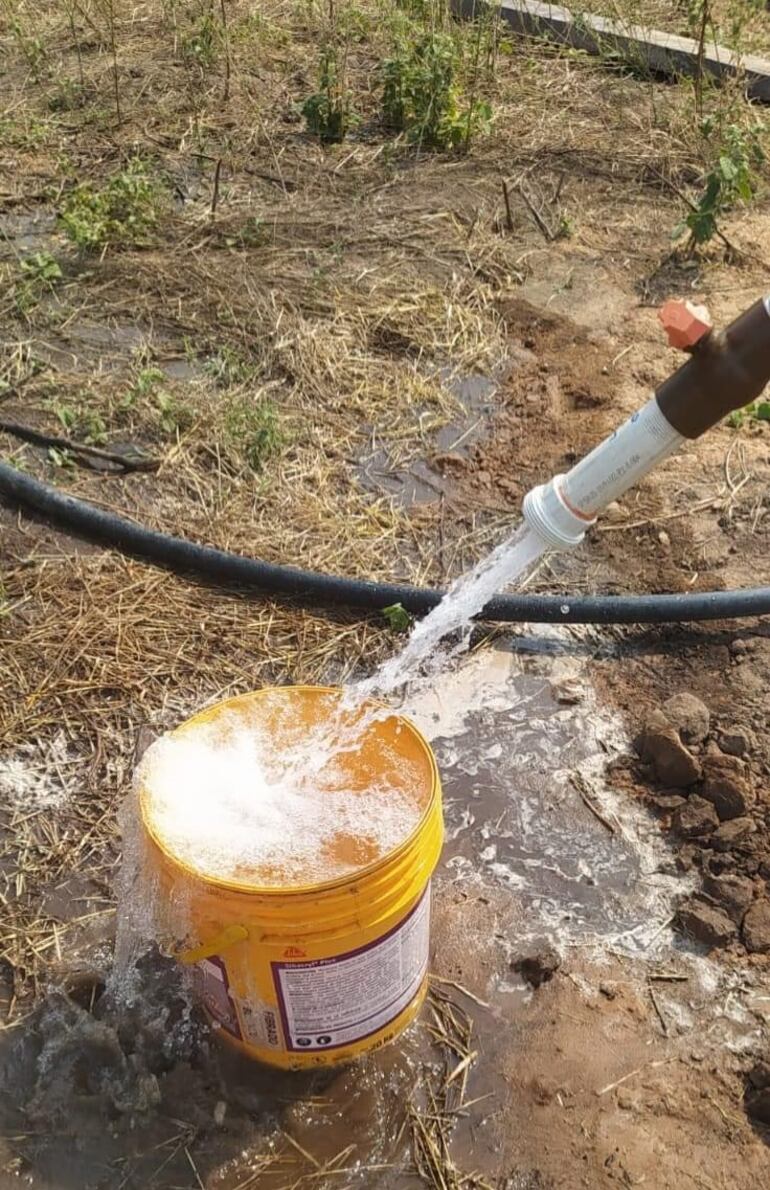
(602,1071)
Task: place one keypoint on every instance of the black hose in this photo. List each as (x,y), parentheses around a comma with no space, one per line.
(308,587)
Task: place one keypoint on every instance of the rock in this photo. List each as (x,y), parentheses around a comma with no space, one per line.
(738,648)
(450,462)
(759,1076)
(735,833)
(614,513)
(537,968)
(706,923)
(689,716)
(756,927)
(695,818)
(220,1111)
(725,785)
(669,801)
(660,746)
(764,869)
(568,692)
(733,893)
(758,1105)
(737,741)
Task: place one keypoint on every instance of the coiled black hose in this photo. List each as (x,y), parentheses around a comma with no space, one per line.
(310,588)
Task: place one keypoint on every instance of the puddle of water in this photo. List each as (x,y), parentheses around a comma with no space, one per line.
(511,758)
(22,233)
(419,482)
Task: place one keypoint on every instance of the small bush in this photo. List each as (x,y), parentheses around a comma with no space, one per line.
(123,212)
(422,97)
(329,113)
(202,43)
(255,430)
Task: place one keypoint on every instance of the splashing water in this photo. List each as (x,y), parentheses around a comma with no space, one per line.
(466,597)
(231,800)
(422,658)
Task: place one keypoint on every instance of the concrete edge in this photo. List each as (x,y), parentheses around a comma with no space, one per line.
(661,53)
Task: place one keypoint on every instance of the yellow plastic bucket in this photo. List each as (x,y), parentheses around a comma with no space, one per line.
(311,974)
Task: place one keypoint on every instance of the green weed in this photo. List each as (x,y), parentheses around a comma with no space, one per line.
(254,428)
(227,367)
(756,411)
(203,42)
(731,179)
(40,275)
(123,212)
(398,618)
(31,48)
(68,96)
(173,415)
(148,398)
(329,112)
(422,96)
(83,424)
(147,380)
(253,234)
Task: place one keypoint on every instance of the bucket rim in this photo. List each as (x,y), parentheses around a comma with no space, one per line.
(274,892)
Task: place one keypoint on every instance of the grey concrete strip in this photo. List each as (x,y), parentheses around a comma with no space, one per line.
(661,53)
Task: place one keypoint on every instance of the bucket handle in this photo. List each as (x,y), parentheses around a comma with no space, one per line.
(228,937)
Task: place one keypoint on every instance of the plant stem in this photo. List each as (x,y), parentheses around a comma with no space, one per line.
(226,39)
(76,40)
(114,49)
(705,17)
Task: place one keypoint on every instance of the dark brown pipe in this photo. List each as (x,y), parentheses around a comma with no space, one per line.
(727,370)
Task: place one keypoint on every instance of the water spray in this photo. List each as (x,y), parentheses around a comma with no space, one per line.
(726,371)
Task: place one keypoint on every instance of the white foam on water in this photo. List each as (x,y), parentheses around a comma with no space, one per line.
(38,776)
(217,803)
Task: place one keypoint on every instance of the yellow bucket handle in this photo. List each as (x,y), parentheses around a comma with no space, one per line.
(229,936)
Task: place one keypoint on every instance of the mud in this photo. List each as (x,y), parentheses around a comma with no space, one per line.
(422,480)
(543,860)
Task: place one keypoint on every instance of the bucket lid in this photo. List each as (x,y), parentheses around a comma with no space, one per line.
(253,793)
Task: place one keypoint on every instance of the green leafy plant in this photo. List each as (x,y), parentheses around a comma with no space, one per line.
(398,617)
(84,424)
(61,458)
(329,112)
(173,415)
(68,96)
(42,269)
(227,367)
(422,96)
(40,275)
(202,44)
(123,212)
(31,47)
(253,234)
(147,380)
(254,428)
(730,180)
(756,411)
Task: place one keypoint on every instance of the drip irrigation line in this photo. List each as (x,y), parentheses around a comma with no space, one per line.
(311,588)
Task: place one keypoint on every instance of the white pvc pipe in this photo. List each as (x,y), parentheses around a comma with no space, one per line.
(560,511)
